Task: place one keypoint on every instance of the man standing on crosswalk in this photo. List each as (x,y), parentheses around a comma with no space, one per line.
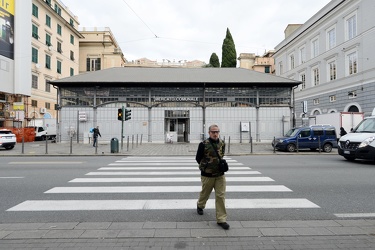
(211,177)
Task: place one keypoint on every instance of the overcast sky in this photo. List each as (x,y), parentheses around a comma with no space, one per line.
(193,29)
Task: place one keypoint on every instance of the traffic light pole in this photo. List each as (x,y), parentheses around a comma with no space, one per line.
(122,128)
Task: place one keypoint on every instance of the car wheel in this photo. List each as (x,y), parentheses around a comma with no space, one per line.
(9,147)
(327,148)
(349,158)
(291,148)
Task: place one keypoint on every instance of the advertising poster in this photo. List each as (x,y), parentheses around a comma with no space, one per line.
(7,28)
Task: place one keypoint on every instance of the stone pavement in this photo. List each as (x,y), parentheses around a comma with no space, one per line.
(301,234)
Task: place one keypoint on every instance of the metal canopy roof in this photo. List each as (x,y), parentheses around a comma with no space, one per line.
(176,77)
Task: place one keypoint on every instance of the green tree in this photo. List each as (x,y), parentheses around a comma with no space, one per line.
(229,56)
(214,61)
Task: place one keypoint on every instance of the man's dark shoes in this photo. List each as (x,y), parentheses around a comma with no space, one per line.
(200,211)
(224,225)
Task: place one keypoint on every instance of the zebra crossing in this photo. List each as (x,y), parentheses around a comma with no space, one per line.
(160,175)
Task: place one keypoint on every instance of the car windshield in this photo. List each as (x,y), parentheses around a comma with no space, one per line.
(366,126)
(5,132)
(291,132)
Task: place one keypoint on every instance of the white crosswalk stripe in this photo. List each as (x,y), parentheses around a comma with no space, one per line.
(161,175)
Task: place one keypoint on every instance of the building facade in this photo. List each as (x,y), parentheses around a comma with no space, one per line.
(264,64)
(332,55)
(55,55)
(176,102)
(99,50)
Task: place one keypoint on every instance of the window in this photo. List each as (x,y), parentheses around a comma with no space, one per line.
(305,132)
(57,9)
(34,103)
(59,29)
(71,22)
(332,70)
(34,81)
(93,64)
(59,47)
(71,39)
(315,76)
(291,61)
(318,131)
(352,63)
(58,66)
(48,40)
(35,32)
(48,62)
(332,98)
(302,55)
(48,86)
(47,105)
(351,26)
(316,101)
(71,72)
(72,55)
(35,10)
(48,2)
(302,78)
(34,55)
(331,38)
(267,69)
(315,47)
(48,21)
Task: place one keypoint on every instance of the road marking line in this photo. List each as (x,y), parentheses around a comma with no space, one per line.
(190,204)
(355,215)
(164,164)
(174,179)
(165,168)
(45,162)
(166,160)
(10,177)
(169,173)
(163,189)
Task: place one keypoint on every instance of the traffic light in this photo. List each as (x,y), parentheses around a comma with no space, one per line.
(119,114)
(128,114)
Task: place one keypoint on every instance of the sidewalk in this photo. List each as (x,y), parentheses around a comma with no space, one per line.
(301,234)
(144,149)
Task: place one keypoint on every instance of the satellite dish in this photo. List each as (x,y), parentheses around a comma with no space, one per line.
(37,66)
(49,48)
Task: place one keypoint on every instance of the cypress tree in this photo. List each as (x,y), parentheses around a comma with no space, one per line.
(214,61)
(229,56)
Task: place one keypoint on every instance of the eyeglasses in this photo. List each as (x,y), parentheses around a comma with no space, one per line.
(215,132)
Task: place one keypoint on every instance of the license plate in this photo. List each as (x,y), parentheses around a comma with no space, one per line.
(347,152)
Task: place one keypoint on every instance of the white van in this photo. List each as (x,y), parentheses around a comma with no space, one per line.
(359,143)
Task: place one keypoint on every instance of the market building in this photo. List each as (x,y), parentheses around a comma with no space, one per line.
(176,102)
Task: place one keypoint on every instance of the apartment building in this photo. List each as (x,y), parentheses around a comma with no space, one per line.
(332,55)
(264,64)
(99,50)
(55,54)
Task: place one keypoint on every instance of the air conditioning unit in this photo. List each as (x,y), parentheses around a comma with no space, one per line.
(43,110)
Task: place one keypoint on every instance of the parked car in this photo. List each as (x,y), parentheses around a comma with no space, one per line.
(312,137)
(360,142)
(7,139)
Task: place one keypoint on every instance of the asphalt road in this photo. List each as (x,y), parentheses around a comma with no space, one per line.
(334,186)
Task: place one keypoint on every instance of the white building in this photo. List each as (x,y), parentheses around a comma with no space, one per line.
(332,55)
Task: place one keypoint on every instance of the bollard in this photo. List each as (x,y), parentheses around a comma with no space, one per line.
(127,144)
(320,147)
(96,145)
(297,146)
(274,145)
(137,142)
(46,144)
(132,141)
(71,145)
(228,145)
(141,138)
(23,143)
(251,144)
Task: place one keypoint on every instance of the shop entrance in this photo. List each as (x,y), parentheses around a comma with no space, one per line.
(177,125)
